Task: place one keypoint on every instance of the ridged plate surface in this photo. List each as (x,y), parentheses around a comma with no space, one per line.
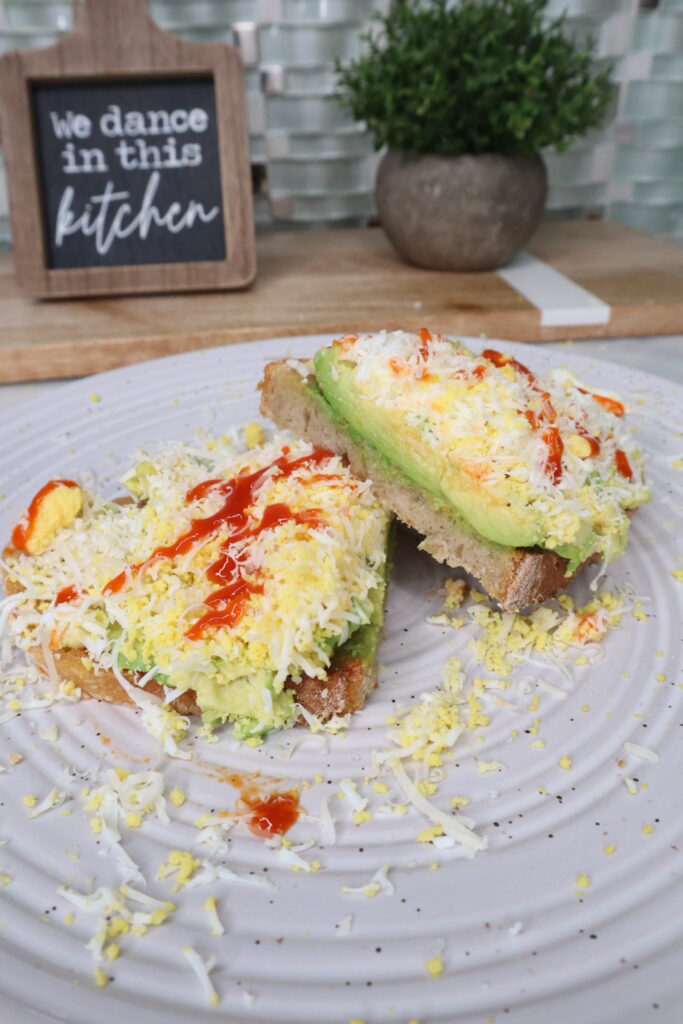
(517,942)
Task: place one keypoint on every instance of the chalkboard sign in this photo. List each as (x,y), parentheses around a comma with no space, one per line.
(130,172)
(127,159)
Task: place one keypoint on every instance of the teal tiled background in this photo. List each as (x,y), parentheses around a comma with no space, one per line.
(315,167)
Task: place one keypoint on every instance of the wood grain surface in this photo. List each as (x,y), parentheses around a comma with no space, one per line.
(327,281)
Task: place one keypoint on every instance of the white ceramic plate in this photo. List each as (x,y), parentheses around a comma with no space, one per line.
(517,943)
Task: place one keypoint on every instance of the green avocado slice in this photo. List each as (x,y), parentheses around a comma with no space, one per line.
(491,516)
(498,518)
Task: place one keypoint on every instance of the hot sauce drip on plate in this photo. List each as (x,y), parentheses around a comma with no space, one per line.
(227,604)
(543,421)
(274,815)
(22,531)
(267,812)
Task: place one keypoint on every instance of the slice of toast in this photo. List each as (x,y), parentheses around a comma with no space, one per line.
(350,679)
(516,577)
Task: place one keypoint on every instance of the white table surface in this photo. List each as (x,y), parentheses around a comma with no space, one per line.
(662,355)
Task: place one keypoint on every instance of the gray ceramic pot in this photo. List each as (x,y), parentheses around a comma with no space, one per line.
(460,212)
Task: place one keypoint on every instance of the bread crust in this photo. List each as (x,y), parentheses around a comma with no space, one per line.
(347,686)
(517,578)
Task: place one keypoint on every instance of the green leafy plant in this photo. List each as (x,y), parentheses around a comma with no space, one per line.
(485,76)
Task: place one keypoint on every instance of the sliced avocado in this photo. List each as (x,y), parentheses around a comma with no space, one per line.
(136,664)
(490,516)
(139,664)
(240,700)
(250,702)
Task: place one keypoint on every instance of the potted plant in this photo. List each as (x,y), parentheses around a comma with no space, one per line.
(464,98)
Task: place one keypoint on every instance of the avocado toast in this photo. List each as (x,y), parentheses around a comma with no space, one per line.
(245,585)
(519,480)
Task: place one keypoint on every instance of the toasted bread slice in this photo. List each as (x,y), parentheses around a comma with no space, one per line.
(350,679)
(516,577)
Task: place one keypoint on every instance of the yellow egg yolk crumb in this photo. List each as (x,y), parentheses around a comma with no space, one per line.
(56,510)
(101,979)
(183,864)
(434,966)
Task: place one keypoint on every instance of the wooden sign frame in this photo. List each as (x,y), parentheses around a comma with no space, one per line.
(117,40)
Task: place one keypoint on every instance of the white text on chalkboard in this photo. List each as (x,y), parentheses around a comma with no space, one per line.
(109,216)
(141,140)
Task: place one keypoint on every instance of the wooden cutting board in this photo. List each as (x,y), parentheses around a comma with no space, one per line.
(314,282)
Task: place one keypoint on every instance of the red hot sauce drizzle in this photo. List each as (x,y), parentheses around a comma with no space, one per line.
(266,812)
(274,815)
(612,405)
(68,594)
(592,441)
(622,463)
(543,421)
(402,370)
(22,531)
(227,604)
(425,336)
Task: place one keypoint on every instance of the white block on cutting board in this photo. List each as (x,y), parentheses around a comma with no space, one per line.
(562,302)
